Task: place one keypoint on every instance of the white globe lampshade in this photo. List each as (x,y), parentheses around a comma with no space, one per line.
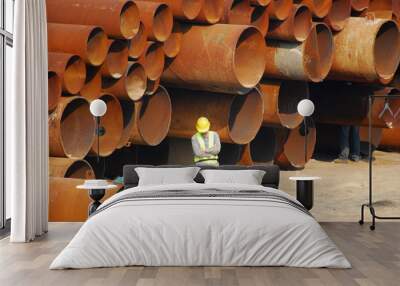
(305,107)
(98,108)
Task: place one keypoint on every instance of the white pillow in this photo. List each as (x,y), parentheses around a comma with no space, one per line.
(166,176)
(248,177)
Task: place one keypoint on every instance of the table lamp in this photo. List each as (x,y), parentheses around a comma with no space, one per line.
(98,108)
(305,108)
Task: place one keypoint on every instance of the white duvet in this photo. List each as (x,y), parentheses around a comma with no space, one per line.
(200,231)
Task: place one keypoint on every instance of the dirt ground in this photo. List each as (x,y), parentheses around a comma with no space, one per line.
(344,187)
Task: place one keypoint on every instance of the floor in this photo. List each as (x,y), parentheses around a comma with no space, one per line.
(375,257)
(344,187)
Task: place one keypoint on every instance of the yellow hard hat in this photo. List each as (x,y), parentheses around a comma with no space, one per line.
(203,124)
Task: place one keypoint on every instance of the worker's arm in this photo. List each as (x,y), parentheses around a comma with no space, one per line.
(196,148)
(217,145)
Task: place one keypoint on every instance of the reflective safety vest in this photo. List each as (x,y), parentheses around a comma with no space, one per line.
(202,144)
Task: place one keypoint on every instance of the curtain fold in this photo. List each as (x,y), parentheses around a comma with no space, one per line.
(26,124)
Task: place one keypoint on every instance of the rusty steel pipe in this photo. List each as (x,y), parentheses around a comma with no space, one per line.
(138,43)
(131,86)
(290,146)
(262,149)
(390,139)
(157,19)
(172,45)
(152,119)
(344,104)
(359,5)
(235,66)
(338,15)
(280,9)
(89,42)
(112,122)
(70,168)
(118,18)
(70,68)
(152,86)
(310,60)
(236,118)
(128,112)
(92,87)
(184,9)
(320,8)
(242,13)
(280,102)
(54,90)
(153,60)
(211,12)
(71,128)
(260,2)
(295,28)
(371,58)
(117,59)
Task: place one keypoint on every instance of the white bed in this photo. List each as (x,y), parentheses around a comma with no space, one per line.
(257,226)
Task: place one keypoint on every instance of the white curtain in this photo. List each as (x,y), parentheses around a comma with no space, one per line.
(26,124)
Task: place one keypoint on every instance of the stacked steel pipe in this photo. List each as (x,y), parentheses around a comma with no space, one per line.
(245,64)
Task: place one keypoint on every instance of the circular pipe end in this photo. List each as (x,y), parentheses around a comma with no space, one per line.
(154,117)
(191,8)
(281,9)
(302,23)
(152,86)
(249,61)
(260,19)
(112,122)
(163,21)
(79,169)
(321,8)
(290,94)
(338,15)
(129,20)
(77,128)
(54,90)
(153,60)
(213,10)
(74,75)
(97,47)
(138,43)
(117,59)
(359,5)
(135,82)
(172,45)
(387,51)
(319,52)
(245,117)
(92,87)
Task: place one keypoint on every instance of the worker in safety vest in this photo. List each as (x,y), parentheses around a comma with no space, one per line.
(206,144)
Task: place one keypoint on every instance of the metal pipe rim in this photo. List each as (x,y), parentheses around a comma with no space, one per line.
(54,90)
(138,43)
(136,81)
(162,22)
(213,10)
(97,46)
(191,8)
(302,22)
(74,75)
(129,20)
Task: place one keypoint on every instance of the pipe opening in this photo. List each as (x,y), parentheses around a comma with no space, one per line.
(155,117)
(138,43)
(55,89)
(112,123)
(260,2)
(135,83)
(152,86)
(92,87)
(79,169)
(129,20)
(128,111)
(213,10)
(387,50)
(319,47)
(290,94)
(247,64)
(282,8)
(302,23)
(154,61)
(245,117)
(339,13)
(359,5)
(74,75)
(77,128)
(162,22)
(117,58)
(97,47)
(260,19)
(191,8)
(172,45)
(321,8)
(263,146)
